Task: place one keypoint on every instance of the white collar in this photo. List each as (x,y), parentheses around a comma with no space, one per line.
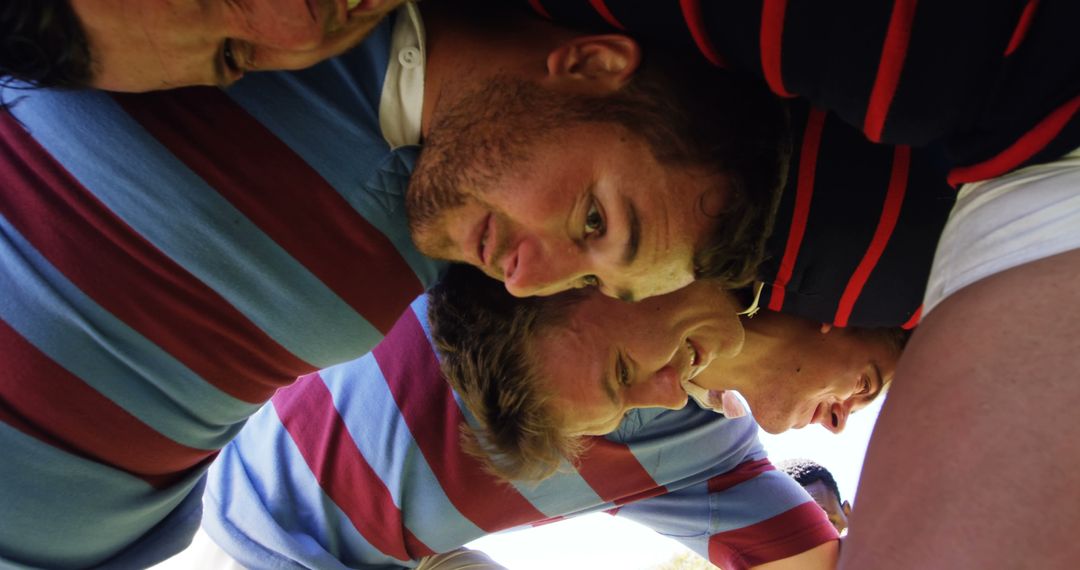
(402,98)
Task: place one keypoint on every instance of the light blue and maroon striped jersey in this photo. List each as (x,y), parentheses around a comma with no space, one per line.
(170,260)
(361,466)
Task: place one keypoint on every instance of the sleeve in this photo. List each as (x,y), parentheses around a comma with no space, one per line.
(748,516)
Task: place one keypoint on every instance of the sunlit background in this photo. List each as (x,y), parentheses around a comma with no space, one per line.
(602,542)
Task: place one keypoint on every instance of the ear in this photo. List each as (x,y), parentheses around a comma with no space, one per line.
(825,328)
(846,507)
(593,65)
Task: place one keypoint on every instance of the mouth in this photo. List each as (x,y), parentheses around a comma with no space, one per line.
(696,358)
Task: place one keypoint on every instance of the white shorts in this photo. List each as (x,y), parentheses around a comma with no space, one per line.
(1004,222)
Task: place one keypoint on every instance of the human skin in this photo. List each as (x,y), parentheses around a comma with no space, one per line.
(795,372)
(984,405)
(609,357)
(475,196)
(145,45)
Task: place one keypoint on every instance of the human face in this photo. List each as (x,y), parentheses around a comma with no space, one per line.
(545,205)
(610,357)
(794,372)
(143,45)
(830,503)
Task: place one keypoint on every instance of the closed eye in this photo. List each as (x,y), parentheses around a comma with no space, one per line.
(595,225)
(622,371)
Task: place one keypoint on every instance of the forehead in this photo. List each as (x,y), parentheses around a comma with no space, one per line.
(571,361)
(822,494)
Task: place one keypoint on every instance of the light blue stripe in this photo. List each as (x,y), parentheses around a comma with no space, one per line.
(60,510)
(563,493)
(364,400)
(192,224)
(753,501)
(264,505)
(660,444)
(329,115)
(83,338)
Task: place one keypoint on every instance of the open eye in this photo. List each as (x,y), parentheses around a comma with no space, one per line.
(594,220)
(228,55)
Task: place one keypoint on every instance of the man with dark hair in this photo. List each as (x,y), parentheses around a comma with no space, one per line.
(135,45)
(819,482)
(171,259)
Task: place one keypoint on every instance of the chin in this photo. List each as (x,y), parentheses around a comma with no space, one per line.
(773,425)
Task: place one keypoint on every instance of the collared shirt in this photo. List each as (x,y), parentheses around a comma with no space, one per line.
(403,90)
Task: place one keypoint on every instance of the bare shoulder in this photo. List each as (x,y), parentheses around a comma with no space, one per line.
(975,460)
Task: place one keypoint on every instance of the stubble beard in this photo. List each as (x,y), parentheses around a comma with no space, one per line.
(487,133)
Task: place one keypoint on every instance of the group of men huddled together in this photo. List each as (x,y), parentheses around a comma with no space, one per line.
(244,300)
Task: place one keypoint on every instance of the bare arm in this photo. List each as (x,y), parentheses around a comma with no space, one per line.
(821,557)
(975,460)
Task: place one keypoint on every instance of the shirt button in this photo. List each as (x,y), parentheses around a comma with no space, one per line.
(409,57)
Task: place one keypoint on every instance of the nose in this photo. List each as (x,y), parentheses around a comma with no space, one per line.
(531,269)
(660,389)
(838,416)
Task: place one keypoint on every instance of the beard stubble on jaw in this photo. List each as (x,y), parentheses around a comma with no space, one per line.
(485,134)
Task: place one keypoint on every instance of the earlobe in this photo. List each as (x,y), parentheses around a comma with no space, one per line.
(825,328)
(594,64)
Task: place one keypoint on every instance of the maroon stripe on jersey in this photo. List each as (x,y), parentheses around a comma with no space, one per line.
(606,14)
(43,400)
(741,473)
(772,35)
(278,191)
(891,65)
(804,192)
(539,8)
(695,21)
(408,363)
(131,278)
(792,532)
(614,473)
(1024,148)
(307,411)
(914,320)
(1022,27)
(890,213)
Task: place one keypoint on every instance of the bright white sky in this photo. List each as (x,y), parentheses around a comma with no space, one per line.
(601,541)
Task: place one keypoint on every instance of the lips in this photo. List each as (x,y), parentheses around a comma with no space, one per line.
(699,357)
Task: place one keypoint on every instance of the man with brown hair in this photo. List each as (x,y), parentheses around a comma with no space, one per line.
(372,471)
(170,259)
(541,374)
